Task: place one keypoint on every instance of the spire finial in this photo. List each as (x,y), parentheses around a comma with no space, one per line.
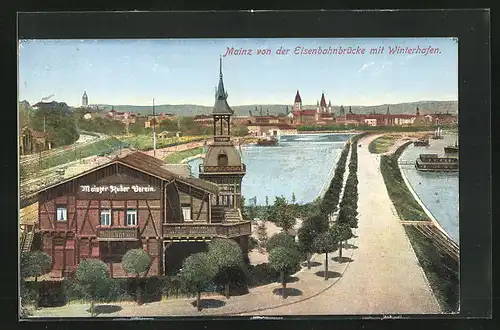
(220,66)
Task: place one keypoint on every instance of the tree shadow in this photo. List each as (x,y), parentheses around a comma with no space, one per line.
(330,274)
(105,309)
(292,279)
(349,246)
(209,303)
(313,264)
(289,292)
(343,260)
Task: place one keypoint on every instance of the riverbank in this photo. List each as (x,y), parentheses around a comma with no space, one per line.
(440,268)
(407,208)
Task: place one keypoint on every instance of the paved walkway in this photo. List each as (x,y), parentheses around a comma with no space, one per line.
(385,276)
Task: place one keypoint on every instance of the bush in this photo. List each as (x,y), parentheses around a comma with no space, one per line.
(252,243)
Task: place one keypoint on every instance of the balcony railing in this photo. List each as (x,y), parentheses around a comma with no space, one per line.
(222,138)
(220,169)
(128,233)
(225,230)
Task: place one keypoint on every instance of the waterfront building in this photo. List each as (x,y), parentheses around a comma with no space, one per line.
(137,201)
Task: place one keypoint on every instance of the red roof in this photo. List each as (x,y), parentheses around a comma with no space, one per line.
(297,97)
(326,114)
(113,110)
(323,101)
(309,112)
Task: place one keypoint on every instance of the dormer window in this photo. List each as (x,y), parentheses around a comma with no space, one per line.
(222,160)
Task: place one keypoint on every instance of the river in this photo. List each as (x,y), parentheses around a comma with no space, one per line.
(299,164)
(437,191)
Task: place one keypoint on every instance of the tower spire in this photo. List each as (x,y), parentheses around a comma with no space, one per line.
(221,93)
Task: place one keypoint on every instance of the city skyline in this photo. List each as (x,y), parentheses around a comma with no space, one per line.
(132,72)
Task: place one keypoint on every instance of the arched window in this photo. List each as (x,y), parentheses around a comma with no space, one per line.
(222,160)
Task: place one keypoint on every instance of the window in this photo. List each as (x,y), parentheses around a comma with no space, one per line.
(131,217)
(222,160)
(61,213)
(186,212)
(105,217)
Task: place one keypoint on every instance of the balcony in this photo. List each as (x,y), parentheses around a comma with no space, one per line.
(222,169)
(222,138)
(114,233)
(223,230)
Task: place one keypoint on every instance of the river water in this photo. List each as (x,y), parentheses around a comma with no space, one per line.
(304,164)
(299,164)
(437,191)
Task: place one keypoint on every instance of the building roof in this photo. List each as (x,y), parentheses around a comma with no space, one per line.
(297,97)
(149,165)
(221,107)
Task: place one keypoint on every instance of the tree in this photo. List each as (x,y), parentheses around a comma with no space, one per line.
(228,258)
(198,271)
(262,234)
(282,214)
(343,233)
(136,261)
(311,228)
(325,243)
(282,239)
(284,260)
(35,264)
(92,275)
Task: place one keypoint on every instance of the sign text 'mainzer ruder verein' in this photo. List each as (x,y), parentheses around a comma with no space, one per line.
(115,189)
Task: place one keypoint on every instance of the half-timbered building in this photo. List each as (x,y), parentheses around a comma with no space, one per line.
(130,202)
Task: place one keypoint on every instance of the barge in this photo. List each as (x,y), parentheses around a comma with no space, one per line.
(421,142)
(435,163)
(266,142)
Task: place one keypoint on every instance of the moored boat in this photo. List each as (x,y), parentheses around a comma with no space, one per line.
(269,141)
(421,142)
(435,163)
(452,149)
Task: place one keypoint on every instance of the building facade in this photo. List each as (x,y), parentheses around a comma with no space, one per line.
(136,201)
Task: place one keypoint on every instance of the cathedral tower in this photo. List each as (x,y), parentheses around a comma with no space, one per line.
(297,105)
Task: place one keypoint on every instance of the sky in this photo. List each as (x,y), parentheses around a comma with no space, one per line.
(186,71)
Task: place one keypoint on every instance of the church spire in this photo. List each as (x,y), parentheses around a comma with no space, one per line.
(221,107)
(220,93)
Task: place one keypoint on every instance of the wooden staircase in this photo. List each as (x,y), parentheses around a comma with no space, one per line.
(27,241)
(231,215)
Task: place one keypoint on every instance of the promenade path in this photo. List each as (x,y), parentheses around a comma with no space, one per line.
(384,276)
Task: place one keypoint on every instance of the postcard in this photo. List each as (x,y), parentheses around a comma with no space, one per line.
(230,177)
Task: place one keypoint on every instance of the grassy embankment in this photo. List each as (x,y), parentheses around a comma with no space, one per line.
(440,269)
(145,142)
(177,157)
(403,200)
(382,144)
(97,148)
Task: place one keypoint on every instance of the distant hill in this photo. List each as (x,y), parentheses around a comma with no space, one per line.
(243,110)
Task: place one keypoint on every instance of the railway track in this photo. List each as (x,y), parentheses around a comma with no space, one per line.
(32,159)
